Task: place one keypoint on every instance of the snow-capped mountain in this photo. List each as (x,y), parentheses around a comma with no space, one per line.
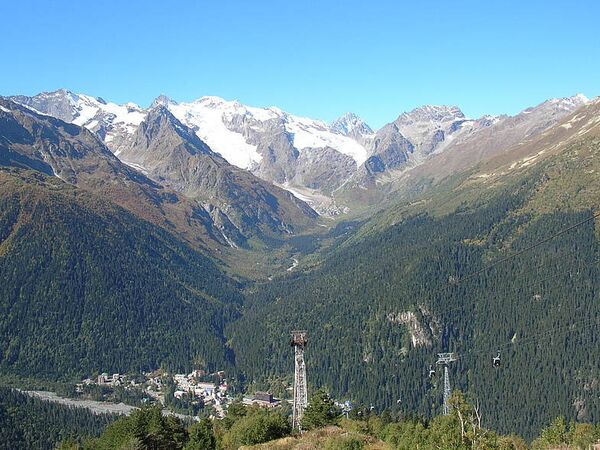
(297,153)
(115,124)
(351,125)
(231,129)
(183,186)
(310,158)
(239,203)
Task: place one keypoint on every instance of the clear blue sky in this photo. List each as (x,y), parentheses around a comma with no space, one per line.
(313,58)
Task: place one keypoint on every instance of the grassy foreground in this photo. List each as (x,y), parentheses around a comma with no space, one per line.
(330,437)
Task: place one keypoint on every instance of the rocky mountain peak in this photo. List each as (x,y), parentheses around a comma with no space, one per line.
(350,125)
(431,113)
(555,107)
(568,103)
(161,125)
(164,100)
(60,103)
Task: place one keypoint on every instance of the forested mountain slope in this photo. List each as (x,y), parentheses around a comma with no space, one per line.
(380,308)
(34,141)
(28,423)
(87,286)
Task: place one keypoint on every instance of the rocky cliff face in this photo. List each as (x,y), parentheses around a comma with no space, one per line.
(432,142)
(489,137)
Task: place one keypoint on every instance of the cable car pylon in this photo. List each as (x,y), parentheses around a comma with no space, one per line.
(444,359)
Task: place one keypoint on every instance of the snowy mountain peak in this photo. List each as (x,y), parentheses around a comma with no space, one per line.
(61,93)
(213,101)
(351,125)
(164,100)
(570,103)
(242,134)
(114,123)
(567,104)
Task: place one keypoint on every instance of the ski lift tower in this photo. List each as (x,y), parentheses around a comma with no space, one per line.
(444,359)
(299,342)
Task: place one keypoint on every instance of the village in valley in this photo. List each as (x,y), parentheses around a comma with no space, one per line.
(192,394)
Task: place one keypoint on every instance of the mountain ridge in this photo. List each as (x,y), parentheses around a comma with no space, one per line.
(292,152)
(238,202)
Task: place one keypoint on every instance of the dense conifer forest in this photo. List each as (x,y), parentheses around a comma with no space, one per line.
(28,423)
(87,287)
(423,277)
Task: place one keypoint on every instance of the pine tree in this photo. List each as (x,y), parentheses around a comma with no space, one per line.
(321,411)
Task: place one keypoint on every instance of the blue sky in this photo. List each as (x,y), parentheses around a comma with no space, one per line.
(313,58)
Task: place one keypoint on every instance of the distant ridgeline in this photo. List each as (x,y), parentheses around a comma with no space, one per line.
(380,310)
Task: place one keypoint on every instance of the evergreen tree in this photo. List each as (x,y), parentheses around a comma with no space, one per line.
(257,426)
(202,436)
(321,411)
(145,429)
(556,434)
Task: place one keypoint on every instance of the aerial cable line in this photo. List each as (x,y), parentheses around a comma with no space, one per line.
(532,288)
(456,281)
(518,253)
(555,331)
(530,337)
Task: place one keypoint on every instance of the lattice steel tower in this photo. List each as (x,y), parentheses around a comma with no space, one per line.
(299,342)
(445,359)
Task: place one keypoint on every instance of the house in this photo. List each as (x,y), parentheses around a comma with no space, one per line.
(179,394)
(263,399)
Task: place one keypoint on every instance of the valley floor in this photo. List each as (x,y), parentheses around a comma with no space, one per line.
(94,406)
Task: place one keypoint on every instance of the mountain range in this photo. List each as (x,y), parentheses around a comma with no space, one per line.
(337,168)
(223,203)
(132,238)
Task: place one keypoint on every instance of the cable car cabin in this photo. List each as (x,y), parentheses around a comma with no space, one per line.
(431,371)
(496,360)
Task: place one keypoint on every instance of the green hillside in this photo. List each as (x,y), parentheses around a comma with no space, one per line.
(380,308)
(28,423)
(87,286)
